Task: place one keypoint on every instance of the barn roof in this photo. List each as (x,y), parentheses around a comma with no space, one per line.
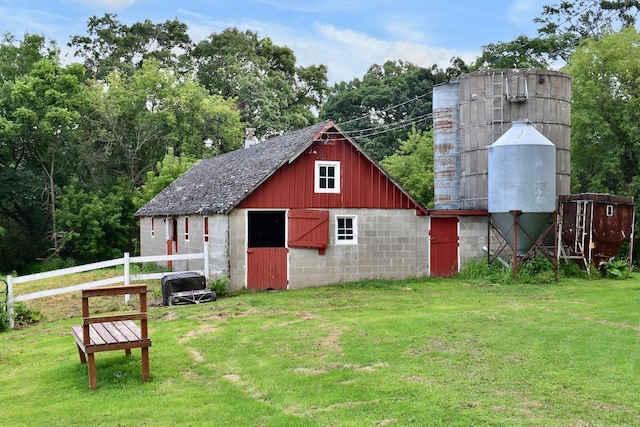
(218,184)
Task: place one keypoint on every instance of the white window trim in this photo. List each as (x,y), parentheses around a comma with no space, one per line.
(353,241)
(336,166)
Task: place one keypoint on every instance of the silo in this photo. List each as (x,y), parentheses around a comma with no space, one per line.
(490,101)
(521,184)
(446,139)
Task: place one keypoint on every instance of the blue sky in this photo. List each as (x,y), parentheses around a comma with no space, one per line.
(346,35)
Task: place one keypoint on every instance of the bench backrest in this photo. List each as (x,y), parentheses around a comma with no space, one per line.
(140,315)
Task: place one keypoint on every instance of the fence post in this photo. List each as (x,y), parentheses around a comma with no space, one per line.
(206,261)
(127,275)
(10,305)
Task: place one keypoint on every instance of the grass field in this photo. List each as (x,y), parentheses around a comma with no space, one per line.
(410,353)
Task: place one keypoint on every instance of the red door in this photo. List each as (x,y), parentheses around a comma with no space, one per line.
(267,255)
(267,268)
(444,246)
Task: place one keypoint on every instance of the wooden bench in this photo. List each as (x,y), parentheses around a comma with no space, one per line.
(114,332)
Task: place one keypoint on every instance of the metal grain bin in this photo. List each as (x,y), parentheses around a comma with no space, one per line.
(446,139)
(521,178)
(595,226)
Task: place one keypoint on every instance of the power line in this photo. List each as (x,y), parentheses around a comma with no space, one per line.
(389,127)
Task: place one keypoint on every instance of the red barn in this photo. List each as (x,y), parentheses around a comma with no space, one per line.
(302,209)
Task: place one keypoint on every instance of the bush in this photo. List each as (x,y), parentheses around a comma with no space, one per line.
(617,269)
(25,316)
(220,285)
(4,319)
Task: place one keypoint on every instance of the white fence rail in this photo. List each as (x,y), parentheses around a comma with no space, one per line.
(126,278)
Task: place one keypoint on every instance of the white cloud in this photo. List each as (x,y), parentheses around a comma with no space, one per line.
(111,4)
(523,11)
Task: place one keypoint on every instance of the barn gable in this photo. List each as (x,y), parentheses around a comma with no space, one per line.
(284,170)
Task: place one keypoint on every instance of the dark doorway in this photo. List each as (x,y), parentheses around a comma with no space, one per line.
(266,229)
(267,266)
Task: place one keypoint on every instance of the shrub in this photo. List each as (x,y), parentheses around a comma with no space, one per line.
(4,319)
(617,269)
(220,285)
(25,316)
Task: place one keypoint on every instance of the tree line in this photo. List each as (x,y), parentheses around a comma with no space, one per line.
(82,146)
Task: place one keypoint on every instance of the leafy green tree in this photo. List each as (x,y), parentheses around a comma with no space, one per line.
(563,27)
(42,115)
(605,136)
(18,58)
(379,110)
(166,171)
(95,228)
(22,182)
(273,93)
(522,52)
(412,165)
(143,115)
(566,24)
(112,46)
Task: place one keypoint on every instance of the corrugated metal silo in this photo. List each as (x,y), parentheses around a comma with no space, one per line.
(446,139)
(521,184)
(490,101)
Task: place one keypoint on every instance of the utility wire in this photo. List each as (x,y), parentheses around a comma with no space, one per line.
(384,128)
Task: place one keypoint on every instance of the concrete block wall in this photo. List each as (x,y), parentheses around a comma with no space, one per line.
(473,237)
(392,244)
(237,222)
(155,243)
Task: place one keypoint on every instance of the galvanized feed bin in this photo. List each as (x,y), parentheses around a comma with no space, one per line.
(522,179)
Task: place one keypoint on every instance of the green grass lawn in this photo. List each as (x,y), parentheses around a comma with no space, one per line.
(410,353)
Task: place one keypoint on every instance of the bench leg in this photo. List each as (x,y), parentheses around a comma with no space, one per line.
(145,364)
(83,359)
(92,371)
(127,351)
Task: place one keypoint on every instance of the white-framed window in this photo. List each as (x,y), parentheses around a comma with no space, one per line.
(153,227)
(186,229)
(206,228)
(346,230)
(327,177)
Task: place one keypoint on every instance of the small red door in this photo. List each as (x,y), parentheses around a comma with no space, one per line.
(267,254)
(443,237)
(267,268)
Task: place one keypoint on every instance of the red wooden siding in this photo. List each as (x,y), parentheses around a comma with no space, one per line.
(363,185)
(267,268)
(443,237)
(308,228)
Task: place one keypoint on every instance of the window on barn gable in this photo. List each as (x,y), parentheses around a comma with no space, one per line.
(327,177)
(346,230)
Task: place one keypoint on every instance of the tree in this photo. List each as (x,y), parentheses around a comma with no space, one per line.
(379,110)
(42,112)
(566,24)
(94,222)
(522,52)
(24,216)
(273,94)
(141,116)
(166,171)
(412,165)
(605,135)
(112,46)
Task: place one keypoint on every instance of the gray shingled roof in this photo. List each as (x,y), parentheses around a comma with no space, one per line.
(218,184)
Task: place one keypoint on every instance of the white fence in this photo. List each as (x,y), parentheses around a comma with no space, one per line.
(126,278)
